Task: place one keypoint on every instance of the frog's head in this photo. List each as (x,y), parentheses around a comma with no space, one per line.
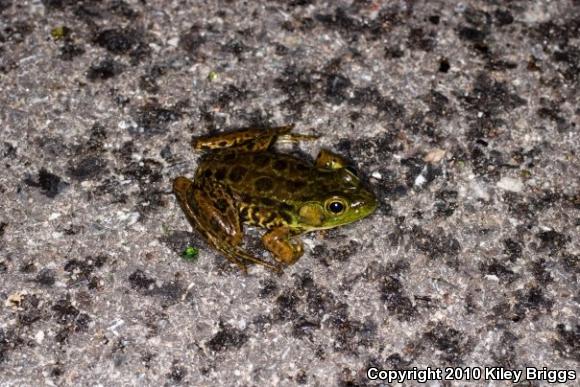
(339,198)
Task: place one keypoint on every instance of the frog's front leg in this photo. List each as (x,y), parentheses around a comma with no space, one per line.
(281,244)
(210,209)
(328,160)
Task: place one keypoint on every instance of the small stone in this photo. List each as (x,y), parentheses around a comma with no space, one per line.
(510,184)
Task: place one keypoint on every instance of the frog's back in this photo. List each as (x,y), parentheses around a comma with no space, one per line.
(280,177)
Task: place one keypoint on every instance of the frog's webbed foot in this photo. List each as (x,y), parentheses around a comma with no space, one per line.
(212,212)
(281,244)
(328,160)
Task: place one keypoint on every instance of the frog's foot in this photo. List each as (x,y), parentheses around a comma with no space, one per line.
(327,159)
(284,248)
(239,256)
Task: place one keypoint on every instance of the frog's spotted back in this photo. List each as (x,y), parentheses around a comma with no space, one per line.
(242,180)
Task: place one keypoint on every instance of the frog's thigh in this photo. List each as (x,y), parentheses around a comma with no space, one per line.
(210,211)
(327,159)
(284,248)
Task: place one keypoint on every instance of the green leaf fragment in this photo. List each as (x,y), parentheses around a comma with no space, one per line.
(190,253)
(212,76)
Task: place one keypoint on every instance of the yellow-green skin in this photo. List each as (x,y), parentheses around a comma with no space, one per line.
(242,180)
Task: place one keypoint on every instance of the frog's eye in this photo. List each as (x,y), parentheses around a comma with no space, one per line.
(335,206)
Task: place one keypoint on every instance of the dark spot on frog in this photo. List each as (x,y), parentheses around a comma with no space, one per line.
(237,174)
(260,159)
(297,185)
(286,216)
(207,173)
(220,174)
(227,338)
(87,168)
(222,205)
(105,69)
(264,184)
(244,214)
(268,202)
(222,144)
(280,165)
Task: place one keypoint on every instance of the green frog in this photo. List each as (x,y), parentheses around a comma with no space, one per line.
(243,180)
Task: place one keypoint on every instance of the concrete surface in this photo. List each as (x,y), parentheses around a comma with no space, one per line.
(463,116)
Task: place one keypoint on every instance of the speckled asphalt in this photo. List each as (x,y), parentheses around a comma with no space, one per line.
(463,117)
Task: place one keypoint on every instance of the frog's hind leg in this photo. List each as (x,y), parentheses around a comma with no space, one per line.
(211,211)
(249,140)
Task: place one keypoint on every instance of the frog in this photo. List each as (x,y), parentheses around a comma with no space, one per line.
(242,179)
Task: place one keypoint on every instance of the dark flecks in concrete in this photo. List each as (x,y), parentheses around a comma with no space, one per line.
(552,241)
(435,245)
(512,248)
(396,301)
(394,52)
(116,40)
(446,202)
(88,168)
(140,280)
(503,17)
(27,267)
(269,287)
(539,269)
(191,40)
(227,338)
(177,374)
(336,88)
(104,69)
(422,40)
(45,277)
(567,342)
(30,310)
(449,341)
(444,65)
(498,269)
(154,119)
(49,183)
